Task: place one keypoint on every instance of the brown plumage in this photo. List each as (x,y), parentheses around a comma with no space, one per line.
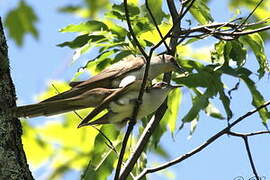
(90,98)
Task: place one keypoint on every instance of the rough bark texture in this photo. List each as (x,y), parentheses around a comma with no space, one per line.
(13,164)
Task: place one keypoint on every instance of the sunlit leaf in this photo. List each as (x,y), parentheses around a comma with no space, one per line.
(201,12)
(36,148)
(173,102)
(95,6)
(156,9)
(85,27)
(256,43)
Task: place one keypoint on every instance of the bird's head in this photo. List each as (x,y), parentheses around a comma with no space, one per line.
(170,62)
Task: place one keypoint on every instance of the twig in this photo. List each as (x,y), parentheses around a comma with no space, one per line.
(174,25)
(245,138)
(202,146)
(250,157)
(156,25)
(250,14)
(248,134)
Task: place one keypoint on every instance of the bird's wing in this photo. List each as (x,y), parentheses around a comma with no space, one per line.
(116,70)
(75,92)
(135,86)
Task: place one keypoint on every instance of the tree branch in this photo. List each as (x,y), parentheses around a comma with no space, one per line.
(132,121)
(202,146)
(245,138)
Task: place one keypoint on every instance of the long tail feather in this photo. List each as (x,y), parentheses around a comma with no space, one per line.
(46,108)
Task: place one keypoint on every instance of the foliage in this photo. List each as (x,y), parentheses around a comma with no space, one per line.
(86,148)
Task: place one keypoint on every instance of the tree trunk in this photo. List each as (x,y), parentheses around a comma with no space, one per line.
(13,164)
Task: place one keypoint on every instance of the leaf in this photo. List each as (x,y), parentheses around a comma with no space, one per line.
(121,55)
(238,53)
(20,21)
(156,9)
(132,9)
(152,34)
(34,146)
(201,12)
(199,103)
(82,40)
(255,42)
(218,55)
(86,27)
(76,10)
(226,104)
(173,102)
(95,6)
(257,98)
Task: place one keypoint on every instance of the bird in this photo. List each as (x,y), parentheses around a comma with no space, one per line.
(120,104)
(90,93)
(90,98)
(122,73)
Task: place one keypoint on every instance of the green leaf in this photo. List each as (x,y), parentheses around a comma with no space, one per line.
(102,158)
(86,27)
(82,40)
(238,52)
(94,6)
(257,98)
(199,103)
(173,102)
(226,103)
(201,12)
(20,21)
(218,55)
(255,42)
(156,9)
(122,54)
(76,10)
(132,9)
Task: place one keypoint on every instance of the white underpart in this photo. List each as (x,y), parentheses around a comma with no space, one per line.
(127,80)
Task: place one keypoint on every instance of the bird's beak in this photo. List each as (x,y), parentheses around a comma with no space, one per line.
(175,86)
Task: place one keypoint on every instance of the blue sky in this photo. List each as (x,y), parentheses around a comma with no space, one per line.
(38,61)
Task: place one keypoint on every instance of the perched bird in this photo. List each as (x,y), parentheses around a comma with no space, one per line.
(120,104)
(90,98)
(91,92)
(121,74)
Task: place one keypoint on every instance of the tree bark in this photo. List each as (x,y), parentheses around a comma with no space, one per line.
(13,164)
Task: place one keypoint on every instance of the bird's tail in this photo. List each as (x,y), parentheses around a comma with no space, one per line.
(46,108)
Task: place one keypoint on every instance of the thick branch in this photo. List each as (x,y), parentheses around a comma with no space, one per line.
(13,163)
(201,147)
